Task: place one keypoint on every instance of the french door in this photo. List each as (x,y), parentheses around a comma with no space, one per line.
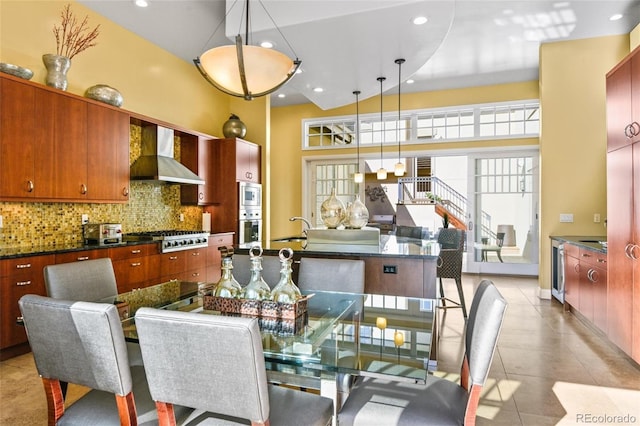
(503,205)
(324,176)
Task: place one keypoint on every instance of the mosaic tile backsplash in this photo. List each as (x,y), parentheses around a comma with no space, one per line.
(151,207)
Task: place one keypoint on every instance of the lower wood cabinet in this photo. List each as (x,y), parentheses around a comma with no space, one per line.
(18,277)
(135,266)
(586,284)
(214,257)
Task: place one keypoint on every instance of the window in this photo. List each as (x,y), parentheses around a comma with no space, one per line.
(461,123)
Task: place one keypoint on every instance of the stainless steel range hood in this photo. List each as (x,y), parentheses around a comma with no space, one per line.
(156,163)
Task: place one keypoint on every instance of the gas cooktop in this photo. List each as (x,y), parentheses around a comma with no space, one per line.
(172,240)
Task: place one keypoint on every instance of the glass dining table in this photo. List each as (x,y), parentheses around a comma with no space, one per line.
(342,334)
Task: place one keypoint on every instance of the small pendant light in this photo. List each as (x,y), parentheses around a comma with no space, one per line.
(399,168)
(382,172)
(358,177)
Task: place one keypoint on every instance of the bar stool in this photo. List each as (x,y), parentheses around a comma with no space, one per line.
(450,265)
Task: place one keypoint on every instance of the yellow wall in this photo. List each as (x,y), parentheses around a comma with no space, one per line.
(152,81)
(286,124)
(574,137)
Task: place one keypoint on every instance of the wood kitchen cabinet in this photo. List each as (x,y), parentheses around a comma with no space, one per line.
(571,276)
(623,205)
(247,160)
(79,256)
(593,287)
(57,146)
(214,257)
(198,154)
(136,266)
(17,143)
(108,154)
(18,277)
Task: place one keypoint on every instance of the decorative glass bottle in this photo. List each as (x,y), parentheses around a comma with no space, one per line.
(227,285)
(257,289)
(357,214)
(286,291)
(332,211)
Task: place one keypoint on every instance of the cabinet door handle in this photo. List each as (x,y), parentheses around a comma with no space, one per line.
(631,254)
(23,283)
(83,189)
(200,196)
(195,274)
(635,128)
(602,261)
(136,251)
(23,266)
(81,258)
(125,191)
(197,253)
(173,257)
(576,268)
(136,264)
(627,131)
(29,186)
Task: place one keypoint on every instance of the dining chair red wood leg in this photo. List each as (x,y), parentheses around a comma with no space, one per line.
(166,415)
(127,410)
(55,400)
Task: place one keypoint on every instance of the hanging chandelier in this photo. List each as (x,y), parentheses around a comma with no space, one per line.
(247,71)
(399,168)
(382,172)
(358,177)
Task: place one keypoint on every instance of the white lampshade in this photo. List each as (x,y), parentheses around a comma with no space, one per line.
(358,177)
(399,169)
(382,173)
(265,70)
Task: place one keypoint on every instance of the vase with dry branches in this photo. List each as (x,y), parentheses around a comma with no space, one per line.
(72,37)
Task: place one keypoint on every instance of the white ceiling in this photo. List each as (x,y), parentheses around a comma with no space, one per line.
(345,45)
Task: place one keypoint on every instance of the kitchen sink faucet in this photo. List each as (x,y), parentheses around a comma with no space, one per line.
(306,222)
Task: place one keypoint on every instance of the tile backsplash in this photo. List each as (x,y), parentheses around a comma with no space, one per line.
(150,207)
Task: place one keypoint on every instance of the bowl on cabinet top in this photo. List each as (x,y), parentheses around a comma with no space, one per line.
(16,70)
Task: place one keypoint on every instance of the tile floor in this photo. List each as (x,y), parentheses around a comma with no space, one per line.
(548,368)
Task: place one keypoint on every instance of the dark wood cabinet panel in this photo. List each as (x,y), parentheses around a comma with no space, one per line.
(79,256)
(247,161)
(57,146)
(214,257)
(17,143)
(108,154)
(623,205)
(19,277)
(199,156)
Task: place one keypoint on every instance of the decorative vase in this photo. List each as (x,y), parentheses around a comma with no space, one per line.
(332,211)
(286,291)
(57,67)
(357,214)
(104,93)
(234,127)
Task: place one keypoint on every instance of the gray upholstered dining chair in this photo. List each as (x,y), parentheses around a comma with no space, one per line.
(270,269)
(89,281)
(440,402)
(216,365)
(83,343)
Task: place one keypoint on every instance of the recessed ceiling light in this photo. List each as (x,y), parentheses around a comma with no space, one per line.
(561,4)
(615,17)
(266,44)
(282,95)
(318,89)
(141,3)
(419,20)
(410,81)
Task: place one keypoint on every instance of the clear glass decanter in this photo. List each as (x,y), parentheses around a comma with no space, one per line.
(286,291)
(357,214)
(227,285)
(257,288)
(332,211)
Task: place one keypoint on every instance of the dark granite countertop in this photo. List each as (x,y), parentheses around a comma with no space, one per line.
(590,242)
(390,245)
(24,251)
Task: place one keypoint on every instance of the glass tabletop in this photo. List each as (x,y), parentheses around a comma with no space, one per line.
(359,334)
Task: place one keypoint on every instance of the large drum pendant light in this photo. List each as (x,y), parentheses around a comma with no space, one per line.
(382,172)
(399,168)
(358,177)
(246,71)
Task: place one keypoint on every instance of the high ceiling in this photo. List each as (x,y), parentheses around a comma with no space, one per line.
(345,45)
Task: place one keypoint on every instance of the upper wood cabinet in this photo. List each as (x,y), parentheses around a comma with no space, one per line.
(197,154)
(247,162)
(57,146)
(623,103)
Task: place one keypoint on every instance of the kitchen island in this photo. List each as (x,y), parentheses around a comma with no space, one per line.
(398,266)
